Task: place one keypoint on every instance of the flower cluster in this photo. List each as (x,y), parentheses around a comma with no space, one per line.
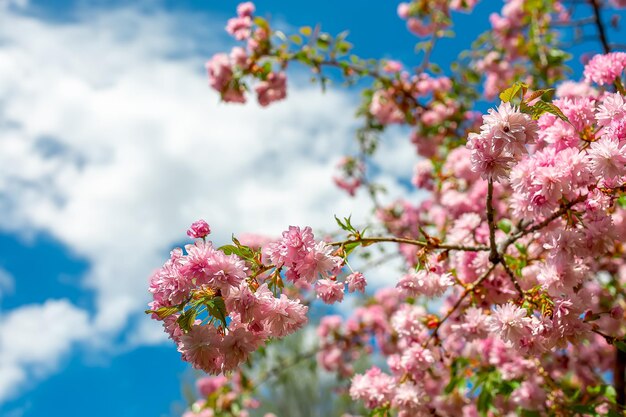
(217,304)
(502,141)
(227,71)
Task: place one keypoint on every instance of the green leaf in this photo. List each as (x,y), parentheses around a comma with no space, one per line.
(164,312)
(510,93)
(306,30)
(543,107)
(259,21)
(297,39)
(530,413)
(186,320)
(238,249)
(350,247)
(537,94)
(621,345)
(504,225)
(583,409)
(217,308)
(345,224)
(484,400)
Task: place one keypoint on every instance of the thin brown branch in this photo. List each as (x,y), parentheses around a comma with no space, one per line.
(538,226)
(423,243)
(468,290)
(494,256)
(600,25)
(619,377)
(283,365)
(512,277)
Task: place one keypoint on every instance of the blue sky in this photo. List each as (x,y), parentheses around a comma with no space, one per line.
(112,144)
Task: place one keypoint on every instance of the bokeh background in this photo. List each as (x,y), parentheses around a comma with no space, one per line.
(112,143)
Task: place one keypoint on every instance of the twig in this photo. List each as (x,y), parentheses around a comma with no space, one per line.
(426,244)
(512,277)
(468,290)
(601,31)
(282,366)
(515,237)
(494,256)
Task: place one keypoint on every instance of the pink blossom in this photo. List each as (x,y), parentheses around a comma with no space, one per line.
(274,88)
(416,360)
(510,323)
(319,261)
(374,387)
(607,158)
(475,323)
(168,285)
(286,316)
(238,57)
(328,325)
(245,9)
(356,282)
(604,69)
(507,123)
(199,229)
(208,385)
(409,398)
(404,10)
(219,69)
(422,282)
(611,110)
(239,27)
(212,267)
(417,27)
(201,347)
(489,157)
(329,291)
(392,66)
(238,343)
(384,108)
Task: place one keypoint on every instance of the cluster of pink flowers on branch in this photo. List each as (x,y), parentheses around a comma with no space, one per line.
(221,304)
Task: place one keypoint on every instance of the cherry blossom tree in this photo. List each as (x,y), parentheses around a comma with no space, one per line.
(512,298)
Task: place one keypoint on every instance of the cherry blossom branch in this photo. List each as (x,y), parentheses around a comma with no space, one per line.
(283,365)
(515,237)
(470,288)
(494,256)
(619,377)
(512,277)
(425,244)
(601,31)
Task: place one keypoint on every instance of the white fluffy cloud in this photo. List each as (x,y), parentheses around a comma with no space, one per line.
(34,338)
(113,143)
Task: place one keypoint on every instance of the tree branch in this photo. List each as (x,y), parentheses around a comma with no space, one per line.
(426,244)
(468,290)
(494,256)
(512,277)
(601,31)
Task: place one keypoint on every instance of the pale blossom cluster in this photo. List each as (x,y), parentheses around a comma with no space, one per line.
(605,69)
(242,311)
(226,71)
(221,395)
(503,140)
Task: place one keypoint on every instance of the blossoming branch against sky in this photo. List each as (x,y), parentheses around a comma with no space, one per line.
(112,142)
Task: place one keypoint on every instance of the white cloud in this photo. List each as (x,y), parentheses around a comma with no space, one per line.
(34,338)
(113,143)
